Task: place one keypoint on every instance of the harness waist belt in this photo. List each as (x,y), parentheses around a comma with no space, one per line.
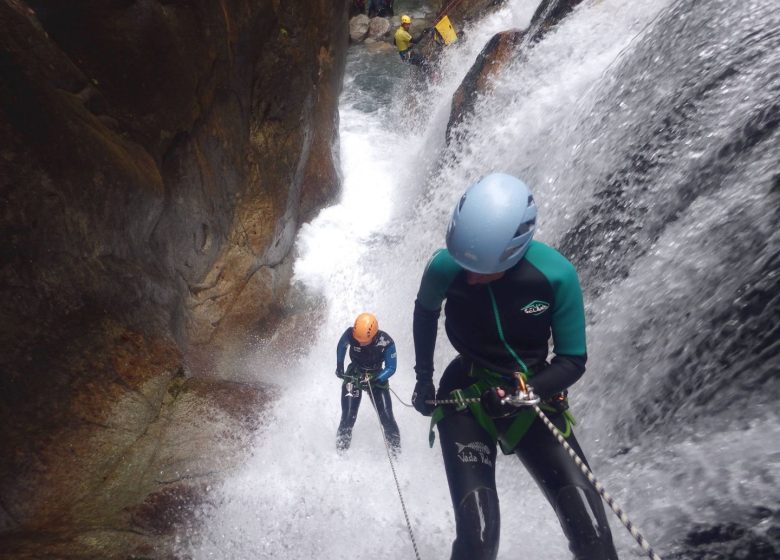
(523,418)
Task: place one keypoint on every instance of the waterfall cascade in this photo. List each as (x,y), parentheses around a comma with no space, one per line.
(648,130)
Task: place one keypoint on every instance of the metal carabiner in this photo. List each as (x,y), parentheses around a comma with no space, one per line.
(524,396)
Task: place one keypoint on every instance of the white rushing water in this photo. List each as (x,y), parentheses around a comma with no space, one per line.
(296,498)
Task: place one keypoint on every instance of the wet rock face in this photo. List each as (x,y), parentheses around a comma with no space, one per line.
(166,148)
(467,10)
(368,30)
(378,27)
(358,28)
(499,51)
(118,463)
(156,159)
(756,538)
(549,14)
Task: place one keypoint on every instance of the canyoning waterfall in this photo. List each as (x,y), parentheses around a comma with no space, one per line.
(648,130)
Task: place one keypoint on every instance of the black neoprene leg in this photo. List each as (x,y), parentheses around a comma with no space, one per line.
(576,503)
(469,459)
(384,406)
(350,403)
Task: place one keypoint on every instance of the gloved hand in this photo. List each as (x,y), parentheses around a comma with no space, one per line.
(340,372)
(424,391)
(491,403)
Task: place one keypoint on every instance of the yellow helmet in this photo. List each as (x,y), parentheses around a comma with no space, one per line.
(406,19)
(365,329)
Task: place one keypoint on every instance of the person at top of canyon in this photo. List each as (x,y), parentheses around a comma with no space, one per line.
(506,295)
(404,41)
(373,361)
(380,8)
(357,7)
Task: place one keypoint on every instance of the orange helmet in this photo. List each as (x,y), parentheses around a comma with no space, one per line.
(365,329)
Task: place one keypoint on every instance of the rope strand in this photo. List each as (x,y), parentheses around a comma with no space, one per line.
(407,405)
(395,476)
(640,539)
(598,486)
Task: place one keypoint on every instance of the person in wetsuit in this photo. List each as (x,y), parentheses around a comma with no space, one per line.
(357,7)
(372,357)
(506,295)
(380,8)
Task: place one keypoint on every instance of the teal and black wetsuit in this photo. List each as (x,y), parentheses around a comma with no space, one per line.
(537,298)
(500,328)
(377,360)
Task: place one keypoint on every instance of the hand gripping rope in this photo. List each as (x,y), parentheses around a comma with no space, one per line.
(525,396)
(392,468)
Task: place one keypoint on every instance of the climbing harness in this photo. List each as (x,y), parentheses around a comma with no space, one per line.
(367,381)
(471,398)
(353,382)
(525,397)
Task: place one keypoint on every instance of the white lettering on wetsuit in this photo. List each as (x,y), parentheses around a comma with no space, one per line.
(474,452)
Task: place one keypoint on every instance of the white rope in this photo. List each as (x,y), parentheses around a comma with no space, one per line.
(598,486)
(395,476)
(400,400)
(585,470)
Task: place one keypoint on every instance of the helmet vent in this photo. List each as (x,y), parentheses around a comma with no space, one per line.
(525,227)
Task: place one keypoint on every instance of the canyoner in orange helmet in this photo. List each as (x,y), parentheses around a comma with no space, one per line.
(365,328)
(372,361)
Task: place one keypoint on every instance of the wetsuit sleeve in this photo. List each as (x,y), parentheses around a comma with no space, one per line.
(568,324)
(341,349)
(390,359)
(424,326)
(439,274)
(562,373)
(568,321)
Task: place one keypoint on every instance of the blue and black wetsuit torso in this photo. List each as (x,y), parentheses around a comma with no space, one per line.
(505,326)
(377,358)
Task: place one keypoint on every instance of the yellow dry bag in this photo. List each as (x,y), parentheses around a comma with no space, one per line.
(446,31)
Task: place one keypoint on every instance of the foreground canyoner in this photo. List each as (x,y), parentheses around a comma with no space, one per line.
(372,357)
(506,295)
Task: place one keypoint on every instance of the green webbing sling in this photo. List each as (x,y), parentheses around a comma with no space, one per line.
(508,439)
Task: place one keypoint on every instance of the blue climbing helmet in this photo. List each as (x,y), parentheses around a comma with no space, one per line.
(492,225)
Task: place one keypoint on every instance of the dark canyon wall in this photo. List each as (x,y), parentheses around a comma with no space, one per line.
(156,159)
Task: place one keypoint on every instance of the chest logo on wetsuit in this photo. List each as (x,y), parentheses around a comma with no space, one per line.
(474,452)
(536,307)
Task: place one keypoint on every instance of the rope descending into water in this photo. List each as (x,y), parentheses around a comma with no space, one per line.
(395,476)
(598,486)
